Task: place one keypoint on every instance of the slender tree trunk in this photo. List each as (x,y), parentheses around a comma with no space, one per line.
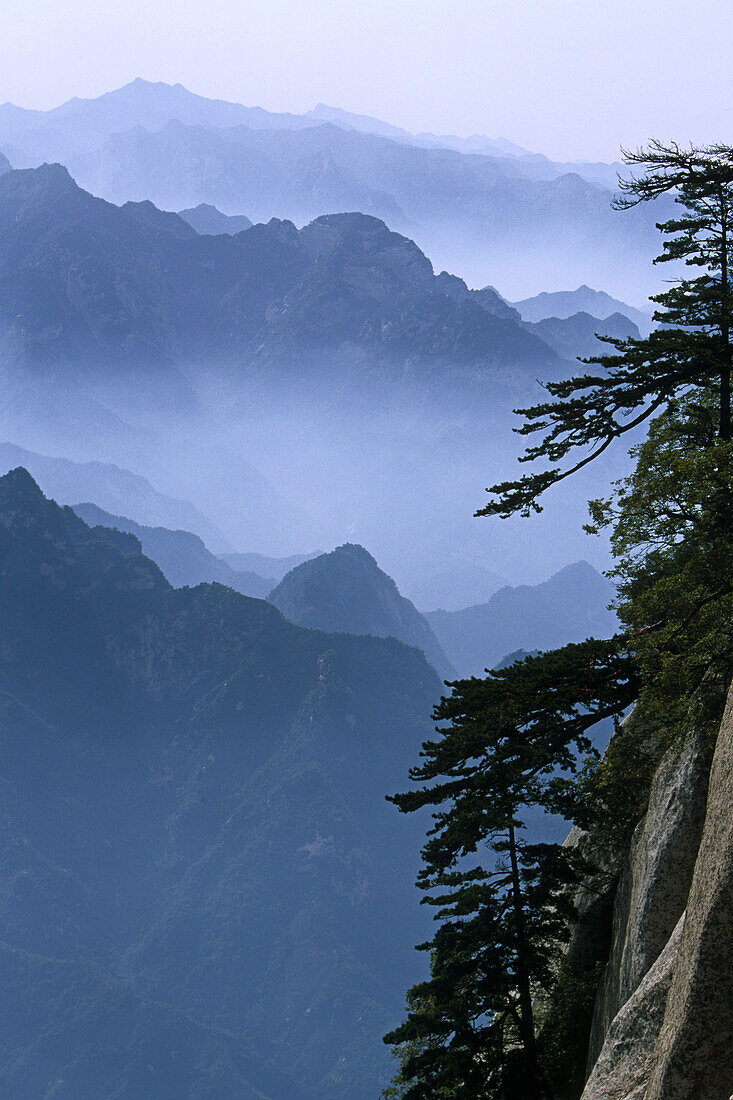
(725,402)
(533,1087)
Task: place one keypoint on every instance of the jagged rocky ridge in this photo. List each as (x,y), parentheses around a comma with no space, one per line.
(85,282)
(246,931)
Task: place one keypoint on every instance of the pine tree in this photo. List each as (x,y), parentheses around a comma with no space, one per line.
(511,743)
(514,739)
(691,348)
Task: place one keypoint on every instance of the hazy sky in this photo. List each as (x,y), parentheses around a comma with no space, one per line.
(572,78)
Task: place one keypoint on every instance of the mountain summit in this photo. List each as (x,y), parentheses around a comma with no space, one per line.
(84,282)
(346,591)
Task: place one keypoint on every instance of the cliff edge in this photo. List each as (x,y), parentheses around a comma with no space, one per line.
(663,1023)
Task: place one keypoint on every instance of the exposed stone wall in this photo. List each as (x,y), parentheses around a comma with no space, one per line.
(663,1028)
(652,892)
(623,1067)
(694,1054)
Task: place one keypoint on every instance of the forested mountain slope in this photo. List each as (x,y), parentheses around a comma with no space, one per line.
(247,930)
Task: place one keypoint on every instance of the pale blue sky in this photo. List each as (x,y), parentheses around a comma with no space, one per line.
(572,78)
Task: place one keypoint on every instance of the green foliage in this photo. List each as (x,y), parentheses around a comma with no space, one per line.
(518,738)
(503,904)
(644,376)
(670,531)
(670,521)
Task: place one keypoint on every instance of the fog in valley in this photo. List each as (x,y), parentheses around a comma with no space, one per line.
(258,368)
(284,467)
(330,427)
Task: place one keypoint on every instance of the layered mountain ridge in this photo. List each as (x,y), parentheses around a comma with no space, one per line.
(246,930)
(182,556)
(479,206)
(570,606)
(82,280)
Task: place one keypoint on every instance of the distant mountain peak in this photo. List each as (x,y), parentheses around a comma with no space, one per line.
(563,304)
(18,483)
(569,606)
(208,220)
(345,591)
(52,173)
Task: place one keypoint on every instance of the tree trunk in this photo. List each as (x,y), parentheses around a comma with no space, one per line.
(725,425)
(533,1089)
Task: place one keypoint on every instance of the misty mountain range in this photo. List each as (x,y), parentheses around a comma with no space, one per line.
(569,607)
(563,304)
(182,556)
(114,489)
(576,336)
(80,124)
(346,592)
(83,281)
(205,893)
(247,930)
(486,211)
(303,387)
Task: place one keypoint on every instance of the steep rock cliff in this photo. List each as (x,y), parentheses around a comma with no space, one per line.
(694,1052)
(622,1069)
(663,1024)
(652,891)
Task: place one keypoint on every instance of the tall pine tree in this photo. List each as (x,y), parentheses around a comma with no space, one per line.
(511,743)
(690,348)
(514,739)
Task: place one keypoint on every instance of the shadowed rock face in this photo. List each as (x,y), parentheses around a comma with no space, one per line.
(694,1053)
(663,1028)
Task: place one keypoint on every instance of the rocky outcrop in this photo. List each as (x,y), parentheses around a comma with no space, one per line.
(694,1053)
(622,1069)
(663,1026)
(652,892)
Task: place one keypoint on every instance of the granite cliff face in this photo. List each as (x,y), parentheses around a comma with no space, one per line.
(663,1022)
